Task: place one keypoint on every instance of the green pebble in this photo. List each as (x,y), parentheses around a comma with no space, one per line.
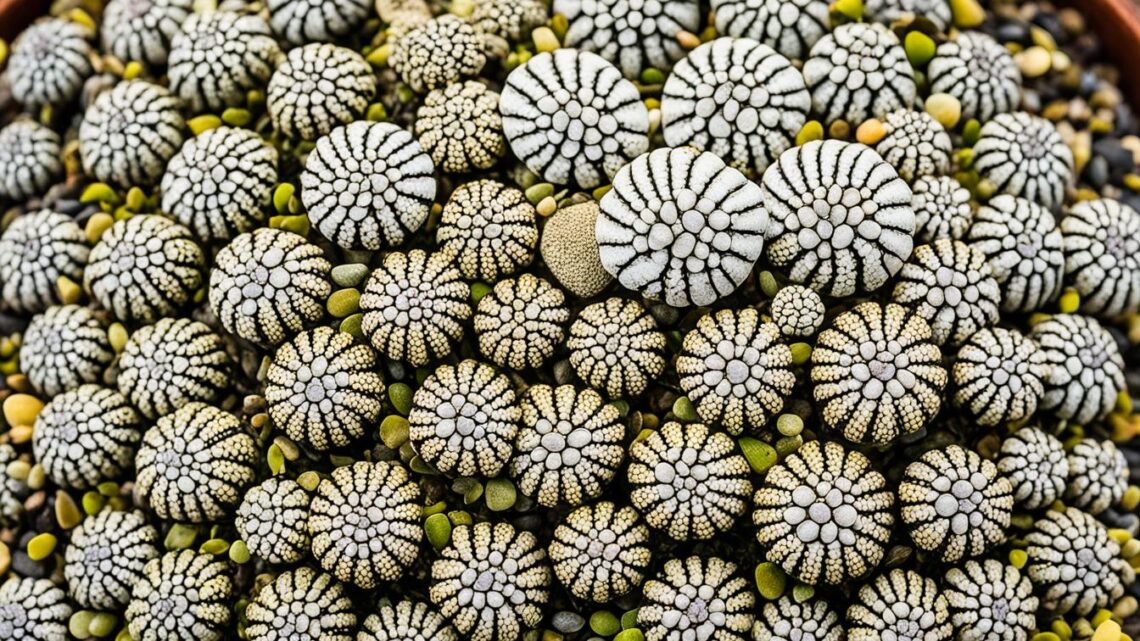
(629,619)
(1045,636)
(309,480)
(214,547)
(394,431)
(276,459)
(435,508)
(102,624)
(971,131)
(79,623)
(768,284)
(473,493)
(760,455)
(352,325)
(684,410)
(201,124)
(98,193)
(41,546)
(605,623)
(136,199)
(376,113)
(349,275)
(478,291)
(802,592)
(344,302)
(92,503)
(419,466)
(788,444)
(601,191)
(770,580)
(239,552)
(281,196)
(536,193)
(622,406)
(236,117)
(919,48)
(400,395)
(501,494)
(117,335)
(789,424)
(652,76)
(801,352)
(437,527)
(460,517)
(632,634)
(180,537)
(298,224)
(125,635)
(1018,558)
(851,9)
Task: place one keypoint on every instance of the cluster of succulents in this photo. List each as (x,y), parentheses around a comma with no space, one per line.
(567,320)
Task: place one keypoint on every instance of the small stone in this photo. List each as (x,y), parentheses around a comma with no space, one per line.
(500,494)
(605,623)
(945,109)
(69,291)
(180,537)
(437,527)
(801,352)
(36,477)
(201,124)
(545,40)
(567,622)
(67,513)
(344,302)
(789,424)
(400,396)
(5,558)
(214,547)
(349,275)
(688,40)
(1018,558)
(96,225)
(118,336)
(239,552)
(309,480)
(79,622)
(871,132)
(1107,631)
(93,502)
(850,9)
(537,193)
(770,580)
(632,634)
(282,194)
(684,410)
(41,546)
(967,13)
(547,206)
(276,459)
(919,48)
(1070,301)
(21,409)
(394,431)
(1034,62)
(760,455)
(812,130)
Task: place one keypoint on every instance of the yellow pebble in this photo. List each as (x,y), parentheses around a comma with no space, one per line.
(1131,498)
(1070,301)
(945,109)
(22,409)
(1034,62)
(69,291)
(96,225)
(812,130)
(871,132)
(547,206)
(688,40)
(133,70)
(41,546)
(545,40)
(967,13)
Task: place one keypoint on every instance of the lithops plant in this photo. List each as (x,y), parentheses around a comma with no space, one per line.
(491,228)
(520,322)
(570,250)
(859,71)
(615,347)
(106,557)
(941,208)
(36,250)
(50,61)
(217,58)
(788,26)
(889,11)
(460,127)
(786,618)
(1086,370)
(899,604)
(301,605)
(182,595)
(1023,155)
(979,72)
(406,621)
(141,30)
(86,436)
(273,520)
(300,22)
(634,36)
(1036,465)
(438,53)
(1024,248)
(65,347)
(915,144)
(318,88)
(33,609)
(1098,475)
(990,600)
(998,376)
(29,160)
(601,551)
(130,132)
(697,597)
(171,363)
(952,287)
(1074,564)
(1102,255)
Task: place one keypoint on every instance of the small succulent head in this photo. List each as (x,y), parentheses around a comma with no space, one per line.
(33,610)
(1023,155)
(1086,369)
(688,481)
(952,287)
(460,127)
(183,595)
(438,53)
(1098,475)
(841,217)
(998,376)
(797,311)
(130,132)
(217,57)
(570,250)
(106,556)
(900,605)
(570,117)
(787,619)
(941,209)
(406,621)
(634,36)
(415,306)
(509,19)
(954,503)
(465,419)
(916,144)
(365,523)
(859,71)
(86,436)
(990,600)
(12,490)
(878,374)
(273,520)
(681,227)
(790,27)
(141,30)
(145,268)
(824,514)
(323,389)
(521,322)
(491,581)
(979,71)
(300,22)
(702,598)
(1102,255)
(1036,465)
(171,363)
(29,160)
(194,464)
(491,228)
(36,250)
(317,88)
(889,11)
(65,347)
(615,347)
(1074,564)
(50,61)
(301,605)
(601,552)
(1024,248)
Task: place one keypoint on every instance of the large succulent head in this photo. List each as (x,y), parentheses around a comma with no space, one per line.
(171,363)
(1086,369)
(900,605)
(615,347)
(301,605)
(998,376)
(29,160)
(130,132)
(788,619)
(952,287)
(859,71)
(788,26)
(440,52)
(1024,249)
(36,250)
(141,30)
(319,87)
(106,557)
(701,598)
(460,127)
(1023,155)
(990,600)
(33,609)
(1102,255)
(521,322)
(1036,465)
(491,228)
(300,22)
(1098,475)
(182,595)
(86,436)
(633,35)
(273,520)
(50,62)
(217,57)
(601,552)
(979,71)
(65,347)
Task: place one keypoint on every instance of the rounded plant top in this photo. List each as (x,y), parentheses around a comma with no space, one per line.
(50,61)
(106,556)
(899,605)
(916,144)
(1023,247)
(491,229)
(1102,255)
(183,595)
(33,610)
(787,619)
(1098,475)
(635,36)
(323,388)
(979,71)
(86,436)
(889,11)
(824,514)
(681,226)
(460,127)
(1086,370)
(736,370)
(130,132)
(491,581)
(415,306)
(145,268)
(1023,155)
(990,600)
(141,30)
(300,22)
(318,88)
(954,504)
(269,284)
(878,374)
(601,552)
(216,58)
(703,598)
(509,19)
(406,621)
(615,347)
(29,160)
(301,605)
(36,250)
(736,98)
(365,522)
(220,182)
(688,482)
(438,53)
(12,491)
(194,464)
(569,445)
(998,376)
(521,322)
(571,118)
(859,71)
(464,420)
(797,311)
(1036,465)
(950,285)
(63,348)
(171,363)
(842,220)
(941,208)
(273,520)
(368,185)
(788,26)
(1074,564)
(570,250)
